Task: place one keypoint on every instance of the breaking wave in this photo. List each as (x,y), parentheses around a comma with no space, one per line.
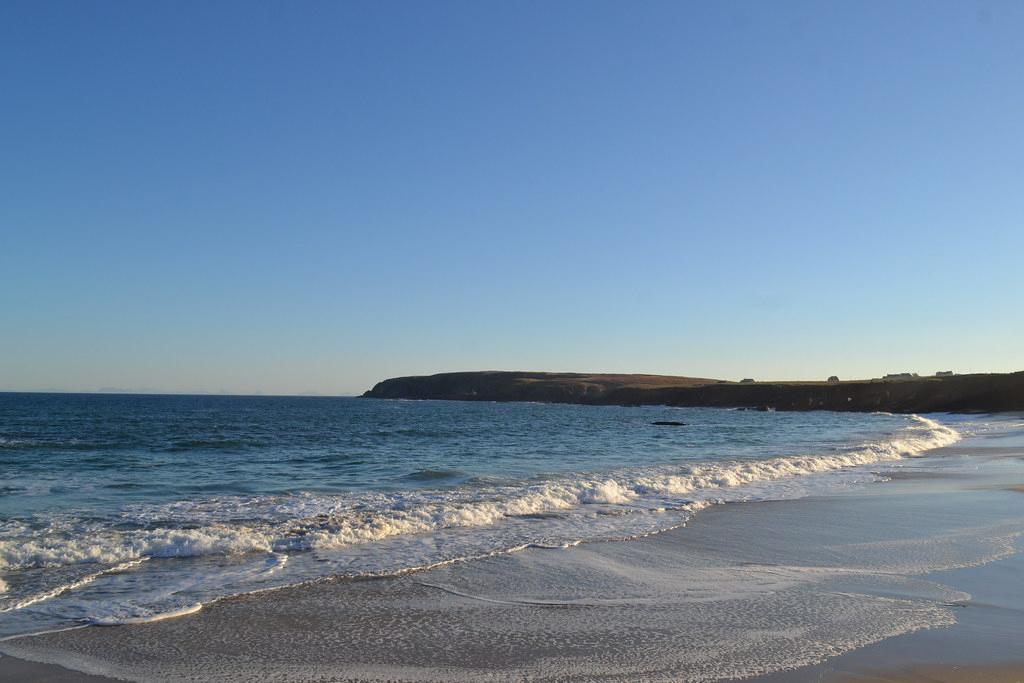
(374,532)
(308,522)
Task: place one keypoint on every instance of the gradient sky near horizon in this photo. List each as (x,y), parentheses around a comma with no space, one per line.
(309,197)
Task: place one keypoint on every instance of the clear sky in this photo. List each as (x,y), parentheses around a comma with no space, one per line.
(309,197)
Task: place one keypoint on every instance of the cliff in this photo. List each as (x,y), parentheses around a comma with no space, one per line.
(957,393)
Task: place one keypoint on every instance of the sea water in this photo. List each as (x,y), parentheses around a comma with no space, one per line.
(123,509)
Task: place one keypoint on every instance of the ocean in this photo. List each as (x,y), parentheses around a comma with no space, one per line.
(124,509)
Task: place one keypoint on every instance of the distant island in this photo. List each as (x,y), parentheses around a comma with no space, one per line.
(900,393)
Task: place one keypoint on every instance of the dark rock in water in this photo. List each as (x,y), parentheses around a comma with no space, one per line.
(669,423)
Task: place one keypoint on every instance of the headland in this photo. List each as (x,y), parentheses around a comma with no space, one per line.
(974,393)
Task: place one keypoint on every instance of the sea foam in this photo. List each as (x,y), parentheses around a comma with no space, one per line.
(317,522)
(375,532)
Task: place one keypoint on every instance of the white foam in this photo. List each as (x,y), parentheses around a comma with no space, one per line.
(334,522)
(64,588)
(146,618)
(103,546)
(375,532)
(926,435)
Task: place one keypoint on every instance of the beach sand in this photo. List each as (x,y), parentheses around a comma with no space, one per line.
(916,579)
(13,669)
(940,674)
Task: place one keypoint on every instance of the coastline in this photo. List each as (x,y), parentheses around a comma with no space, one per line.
(439,624)
(970,393)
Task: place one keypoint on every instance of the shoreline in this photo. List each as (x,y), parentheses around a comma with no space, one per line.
(717,532)
(25,671)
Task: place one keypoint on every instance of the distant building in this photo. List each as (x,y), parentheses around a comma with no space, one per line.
(746,380)
(833,379)
(901,375)
(944,373)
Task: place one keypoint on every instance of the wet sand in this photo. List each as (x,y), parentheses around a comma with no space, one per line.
(947,674)
(13,669)
(939,674)
(916,579)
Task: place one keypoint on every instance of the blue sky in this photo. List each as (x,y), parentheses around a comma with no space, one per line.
(310,197)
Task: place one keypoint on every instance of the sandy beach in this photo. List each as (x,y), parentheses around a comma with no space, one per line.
(912,579)
(547,342)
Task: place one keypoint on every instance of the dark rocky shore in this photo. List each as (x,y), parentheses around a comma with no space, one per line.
(957,393)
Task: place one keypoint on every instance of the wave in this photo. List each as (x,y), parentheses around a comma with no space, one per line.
(924,436)
(58,445)
(301,523)
(114,547)
(433,475)
(127,569)
(212,444)
(61,588)
(148,618)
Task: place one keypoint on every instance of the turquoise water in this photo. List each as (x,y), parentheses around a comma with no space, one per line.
(117,508)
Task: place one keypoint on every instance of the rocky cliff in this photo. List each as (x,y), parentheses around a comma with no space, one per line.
(957,393)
